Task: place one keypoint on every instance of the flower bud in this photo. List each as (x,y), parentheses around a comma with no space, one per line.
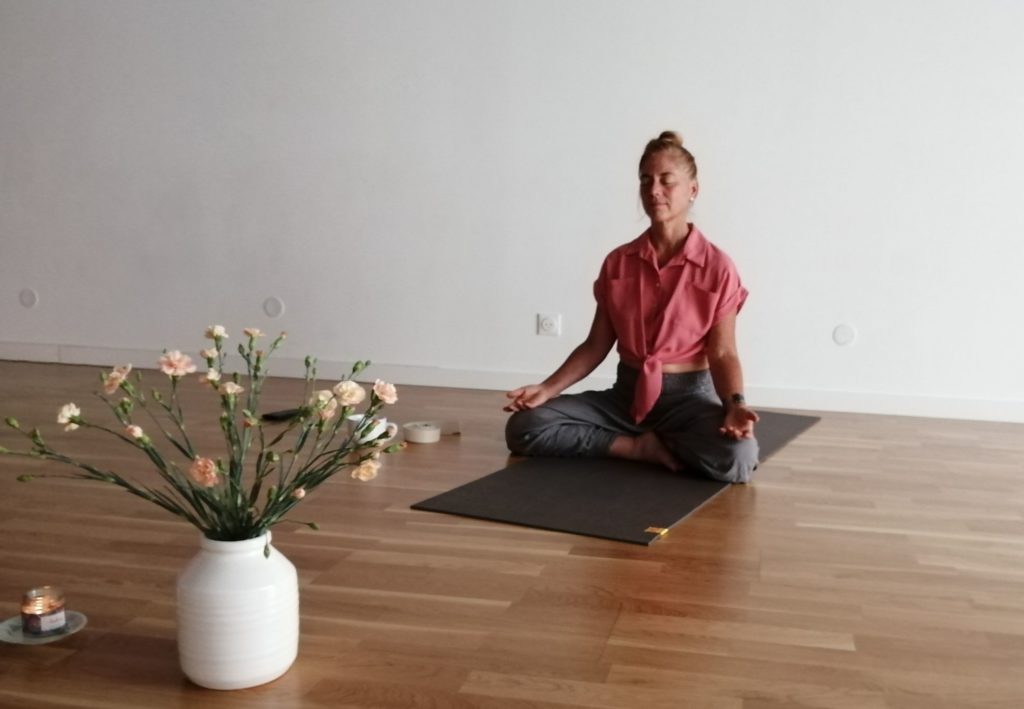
(25,478)
(12,422)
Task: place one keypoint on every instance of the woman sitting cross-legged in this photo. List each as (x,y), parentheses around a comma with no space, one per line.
(670,299)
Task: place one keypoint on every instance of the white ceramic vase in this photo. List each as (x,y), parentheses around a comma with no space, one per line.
(238,614)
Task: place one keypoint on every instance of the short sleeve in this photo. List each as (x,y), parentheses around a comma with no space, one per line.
(601,286)
(731,293)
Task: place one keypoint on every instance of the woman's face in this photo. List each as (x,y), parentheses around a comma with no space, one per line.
(666,188)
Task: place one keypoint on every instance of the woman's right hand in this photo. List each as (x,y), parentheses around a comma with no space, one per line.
(527,397)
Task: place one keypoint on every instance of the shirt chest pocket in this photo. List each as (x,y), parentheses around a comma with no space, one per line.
(690,314)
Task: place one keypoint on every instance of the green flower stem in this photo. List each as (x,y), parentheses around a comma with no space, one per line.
(204,502)
(114,409)
(192,495)
(145,493)
(94,473)
(178,417)
(317,445)
(312,525)
(262,469)
(297,448)
(291,426)
(169,504)
(236,463)
(185,449)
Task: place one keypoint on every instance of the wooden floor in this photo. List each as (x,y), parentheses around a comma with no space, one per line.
(876,562)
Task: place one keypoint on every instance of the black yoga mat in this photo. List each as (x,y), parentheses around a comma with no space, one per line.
(600,497)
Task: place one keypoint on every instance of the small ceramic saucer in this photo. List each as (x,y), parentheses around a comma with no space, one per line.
(10,630)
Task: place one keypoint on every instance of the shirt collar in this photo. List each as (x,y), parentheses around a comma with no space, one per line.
(695,248)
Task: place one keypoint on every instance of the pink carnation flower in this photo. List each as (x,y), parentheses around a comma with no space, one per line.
(230,389)
(113,380)
(349,393)
(204,472)
(216,332)
(67,415)
(385,391)
(367,470)
(134,431)
(253,332)
(176,364)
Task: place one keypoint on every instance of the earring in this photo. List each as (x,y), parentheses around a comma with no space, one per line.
(692,198)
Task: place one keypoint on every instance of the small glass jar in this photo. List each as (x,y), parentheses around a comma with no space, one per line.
(42,611)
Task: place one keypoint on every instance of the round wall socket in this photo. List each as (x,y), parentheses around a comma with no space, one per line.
(28,297)
(273,307)
(844,335)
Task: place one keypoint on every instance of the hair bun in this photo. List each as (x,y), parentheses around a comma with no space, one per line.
(670,136)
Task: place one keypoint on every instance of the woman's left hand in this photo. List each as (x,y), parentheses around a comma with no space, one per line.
(739,422)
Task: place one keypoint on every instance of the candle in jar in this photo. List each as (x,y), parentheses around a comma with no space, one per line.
(42,611)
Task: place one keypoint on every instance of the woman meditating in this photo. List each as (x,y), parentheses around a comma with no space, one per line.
(670,299)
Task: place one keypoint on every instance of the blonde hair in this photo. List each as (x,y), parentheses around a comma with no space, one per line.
(670,140)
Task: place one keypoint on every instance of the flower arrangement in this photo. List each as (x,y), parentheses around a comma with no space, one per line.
(238,496)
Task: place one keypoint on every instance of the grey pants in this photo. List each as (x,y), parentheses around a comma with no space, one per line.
(686,418)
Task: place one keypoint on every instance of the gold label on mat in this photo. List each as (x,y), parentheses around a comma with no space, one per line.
(661,531)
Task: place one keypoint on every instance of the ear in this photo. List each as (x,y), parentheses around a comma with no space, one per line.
(694,190)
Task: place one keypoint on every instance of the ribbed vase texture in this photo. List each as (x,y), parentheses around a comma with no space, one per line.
(238,614)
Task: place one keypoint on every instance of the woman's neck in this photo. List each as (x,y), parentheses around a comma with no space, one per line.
(668,238)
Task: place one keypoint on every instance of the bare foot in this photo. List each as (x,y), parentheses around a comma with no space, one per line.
(646,447)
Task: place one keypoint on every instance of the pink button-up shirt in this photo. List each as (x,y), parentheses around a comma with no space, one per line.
(663,315)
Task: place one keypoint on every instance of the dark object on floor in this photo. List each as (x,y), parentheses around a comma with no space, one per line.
(284,415)
(600,497)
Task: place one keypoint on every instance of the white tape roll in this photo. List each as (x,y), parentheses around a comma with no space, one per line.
(422,432)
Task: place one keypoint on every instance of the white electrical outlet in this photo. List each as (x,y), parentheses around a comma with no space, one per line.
(549,324)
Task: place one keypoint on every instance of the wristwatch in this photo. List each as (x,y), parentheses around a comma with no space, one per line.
(737,399)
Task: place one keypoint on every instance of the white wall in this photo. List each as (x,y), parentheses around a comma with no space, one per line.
(416,179)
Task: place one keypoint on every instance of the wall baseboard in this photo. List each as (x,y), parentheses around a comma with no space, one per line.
(501,381)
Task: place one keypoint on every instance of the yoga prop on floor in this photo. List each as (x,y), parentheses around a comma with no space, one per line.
(600,497)
(413,432)
(283,415)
